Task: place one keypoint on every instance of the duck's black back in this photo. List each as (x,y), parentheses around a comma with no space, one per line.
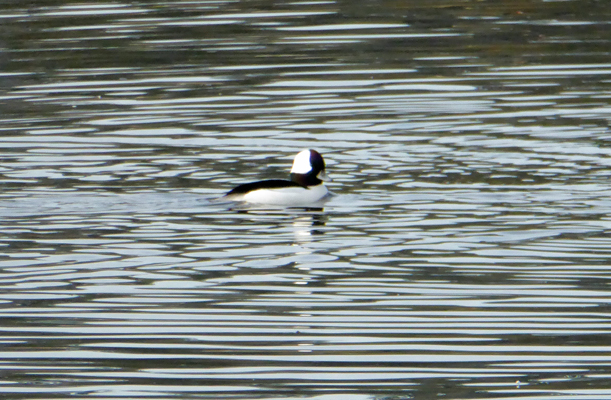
(267,184)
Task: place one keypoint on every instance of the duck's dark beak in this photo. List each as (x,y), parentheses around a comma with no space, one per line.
(322,175)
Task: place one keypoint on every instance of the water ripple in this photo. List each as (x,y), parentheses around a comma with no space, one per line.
(464,253)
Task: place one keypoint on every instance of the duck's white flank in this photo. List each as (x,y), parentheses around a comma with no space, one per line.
(291,196)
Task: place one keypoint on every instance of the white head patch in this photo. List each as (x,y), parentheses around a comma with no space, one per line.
(302,165)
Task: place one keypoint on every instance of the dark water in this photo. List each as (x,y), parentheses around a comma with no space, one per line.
(465,254)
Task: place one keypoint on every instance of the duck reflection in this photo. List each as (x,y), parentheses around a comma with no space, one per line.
(306,226)
(306,222)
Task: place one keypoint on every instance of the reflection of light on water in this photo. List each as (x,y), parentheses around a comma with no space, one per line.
(466,257)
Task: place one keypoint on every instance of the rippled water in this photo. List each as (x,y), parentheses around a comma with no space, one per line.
(464,254)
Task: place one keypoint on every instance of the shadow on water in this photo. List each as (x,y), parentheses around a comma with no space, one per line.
(464,256)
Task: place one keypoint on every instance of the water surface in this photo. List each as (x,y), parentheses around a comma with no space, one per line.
(464,254)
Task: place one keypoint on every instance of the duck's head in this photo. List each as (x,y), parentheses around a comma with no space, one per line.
(309,168)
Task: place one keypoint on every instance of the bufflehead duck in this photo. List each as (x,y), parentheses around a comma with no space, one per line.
(305,186)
